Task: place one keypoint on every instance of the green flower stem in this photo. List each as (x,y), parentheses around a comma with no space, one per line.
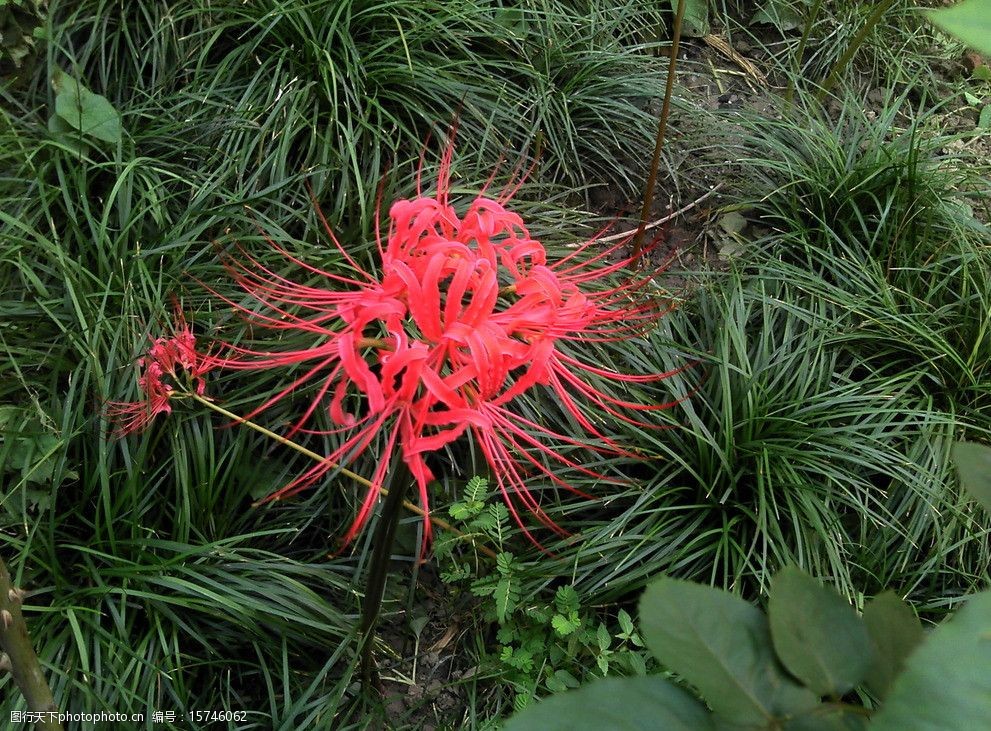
(662,125)
(378,569)
(18,656)
(344,471)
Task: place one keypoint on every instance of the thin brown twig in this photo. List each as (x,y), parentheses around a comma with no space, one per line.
(665,219)
(662,124)
(413,508)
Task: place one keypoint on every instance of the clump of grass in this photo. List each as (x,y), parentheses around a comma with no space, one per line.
(896,48)
(861,184)
(782,451)
(875,215)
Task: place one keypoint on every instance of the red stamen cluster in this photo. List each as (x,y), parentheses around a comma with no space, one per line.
(165,357)
(465,315)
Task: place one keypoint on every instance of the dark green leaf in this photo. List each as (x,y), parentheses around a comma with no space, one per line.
(973,462)
(984,121)
(566,599)
(817,634)
(86,112)
(625,622)
(603,638)
(566,678)
(827,718)
(946,685)
(970,21)
(695,24)
(895,631)
(637,664)
(782,15)
(616,704)
(721,645)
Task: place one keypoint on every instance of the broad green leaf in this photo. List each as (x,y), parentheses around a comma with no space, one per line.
(781,14)
(616,704)
(625,622)
(826,718)
(512,19)
(817,634)
(970,21)
(720,644)
(31,451)
(973,462)
(603,638)
(946,685)
(695,24)
(86,112)
(984,121)
(732,222)
(895,631)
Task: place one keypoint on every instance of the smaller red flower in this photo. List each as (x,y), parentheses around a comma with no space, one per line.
(166,357)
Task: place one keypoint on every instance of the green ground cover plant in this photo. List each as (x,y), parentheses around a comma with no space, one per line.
(773,672)
(820,375)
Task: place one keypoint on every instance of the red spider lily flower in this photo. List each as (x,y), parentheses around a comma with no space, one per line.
(165,360)
(466,314)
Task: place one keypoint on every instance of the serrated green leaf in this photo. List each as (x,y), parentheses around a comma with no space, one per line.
(970,21)
(464,511)
(483,587)
(521,701)
(566,599)
(567,679)
(895,632)
(505,563)
(87,113)
(483,523)
(602,638)
(695,24)
(637,664)
(625,622)
(477,489)
(517,658)
(817,634)
(540,615)
(616,704)
(722,645)
(946,685)
(565,625)
(973,462)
